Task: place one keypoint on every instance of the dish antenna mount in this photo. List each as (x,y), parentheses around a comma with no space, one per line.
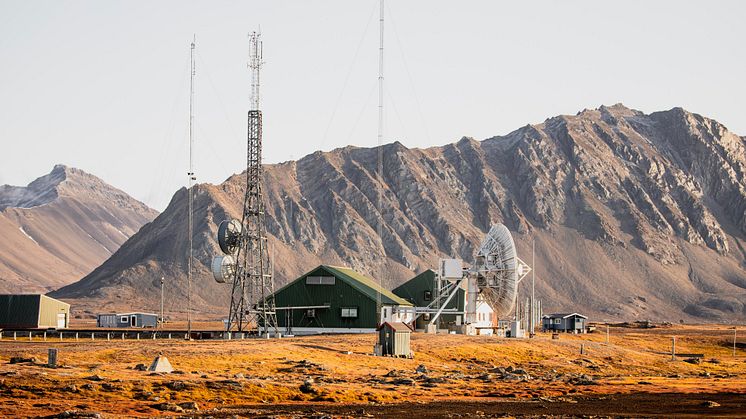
(495,274)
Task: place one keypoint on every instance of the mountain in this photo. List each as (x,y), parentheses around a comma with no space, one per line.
(60,227)
(634,216)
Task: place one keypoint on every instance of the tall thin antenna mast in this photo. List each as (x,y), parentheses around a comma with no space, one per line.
(380,162)
(256,60)
(192,178)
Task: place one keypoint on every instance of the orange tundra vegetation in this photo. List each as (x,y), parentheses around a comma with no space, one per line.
(302,375)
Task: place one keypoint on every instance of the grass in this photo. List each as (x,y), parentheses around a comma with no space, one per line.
(272,371)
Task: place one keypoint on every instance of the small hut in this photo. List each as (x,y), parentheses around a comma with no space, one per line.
(394,339)
(137,319)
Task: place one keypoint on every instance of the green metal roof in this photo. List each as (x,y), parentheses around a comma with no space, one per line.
(366,285)
(360,282)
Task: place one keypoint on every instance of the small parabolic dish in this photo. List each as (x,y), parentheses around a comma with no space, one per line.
(223,268)
(229,235)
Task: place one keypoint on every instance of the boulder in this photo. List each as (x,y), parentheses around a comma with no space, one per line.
(307,386)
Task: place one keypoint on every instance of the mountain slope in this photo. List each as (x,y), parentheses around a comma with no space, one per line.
(634,216)
(60,227)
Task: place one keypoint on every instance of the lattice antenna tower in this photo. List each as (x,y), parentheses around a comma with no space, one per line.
(252,296)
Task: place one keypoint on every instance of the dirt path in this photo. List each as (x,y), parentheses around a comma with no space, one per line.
(626,405)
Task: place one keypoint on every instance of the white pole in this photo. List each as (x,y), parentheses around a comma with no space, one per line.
(735,329)
(533,294)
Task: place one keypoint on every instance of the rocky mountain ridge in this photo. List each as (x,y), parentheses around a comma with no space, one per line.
(60,227)
(634,216)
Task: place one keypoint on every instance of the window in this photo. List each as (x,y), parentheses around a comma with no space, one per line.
(124,319)
(557,321)
(349,312)
(320,280)
(311,313)
(428,295)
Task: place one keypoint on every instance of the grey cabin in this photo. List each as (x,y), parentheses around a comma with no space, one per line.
(127,320)
(564,322)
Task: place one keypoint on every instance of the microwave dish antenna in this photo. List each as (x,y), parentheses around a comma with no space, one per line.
(223,269)
(494,276)
(499,270)
(229,235)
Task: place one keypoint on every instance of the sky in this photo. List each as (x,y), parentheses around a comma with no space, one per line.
(104,85)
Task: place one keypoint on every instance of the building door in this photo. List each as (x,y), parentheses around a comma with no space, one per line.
(61,323)
(133,321)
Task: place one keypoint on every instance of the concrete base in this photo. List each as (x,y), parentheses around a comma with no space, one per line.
(468,330)
(298,331)
(516,331)
(431,328)
(161,364)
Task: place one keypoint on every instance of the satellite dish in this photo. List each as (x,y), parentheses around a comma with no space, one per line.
(229,235)
(223,268)
(499,270)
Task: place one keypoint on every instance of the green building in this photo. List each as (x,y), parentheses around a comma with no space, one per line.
(332,299)
(421,290)
(32,311)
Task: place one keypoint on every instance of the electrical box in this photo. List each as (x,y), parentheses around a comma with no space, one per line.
(451,269)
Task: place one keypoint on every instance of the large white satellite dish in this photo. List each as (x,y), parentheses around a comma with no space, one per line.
(499,270)
(494,276)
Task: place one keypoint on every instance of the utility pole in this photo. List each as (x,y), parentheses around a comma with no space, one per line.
(192,178)
(162,319)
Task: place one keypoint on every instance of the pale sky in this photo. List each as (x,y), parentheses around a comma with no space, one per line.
(103,85)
